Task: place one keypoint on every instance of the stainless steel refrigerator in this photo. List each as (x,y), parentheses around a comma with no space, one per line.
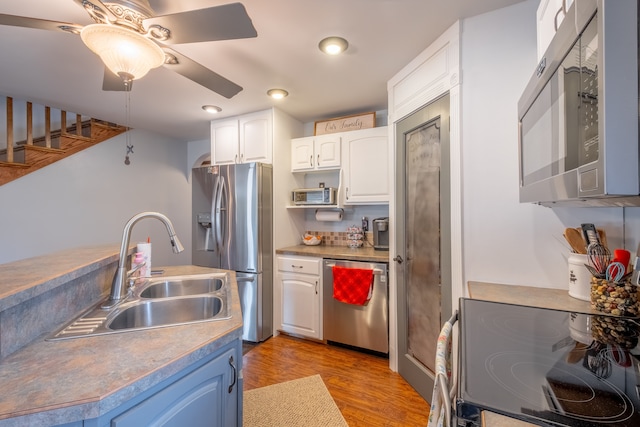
(232,229)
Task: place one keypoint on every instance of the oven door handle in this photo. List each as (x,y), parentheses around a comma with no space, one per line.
(441,390)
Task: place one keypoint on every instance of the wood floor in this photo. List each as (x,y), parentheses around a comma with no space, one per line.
(367,392)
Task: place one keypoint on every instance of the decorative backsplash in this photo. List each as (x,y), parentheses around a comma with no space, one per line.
(339,238)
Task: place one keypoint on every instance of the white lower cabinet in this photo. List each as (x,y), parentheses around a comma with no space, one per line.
(300,282)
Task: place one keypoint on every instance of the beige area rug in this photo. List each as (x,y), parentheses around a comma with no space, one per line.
(302,402)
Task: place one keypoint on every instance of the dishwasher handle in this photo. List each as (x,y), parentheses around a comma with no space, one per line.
(375,270)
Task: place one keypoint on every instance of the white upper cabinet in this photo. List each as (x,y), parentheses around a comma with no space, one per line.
(549,16)
(315,153)
(244,139)
(365,166)
(256,137)
(224,142)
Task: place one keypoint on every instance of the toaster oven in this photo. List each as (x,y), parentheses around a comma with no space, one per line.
(314,196)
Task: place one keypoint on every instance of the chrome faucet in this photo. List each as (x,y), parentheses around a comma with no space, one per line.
(118,285)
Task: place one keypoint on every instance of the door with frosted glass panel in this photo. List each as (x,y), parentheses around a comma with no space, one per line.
(423,239)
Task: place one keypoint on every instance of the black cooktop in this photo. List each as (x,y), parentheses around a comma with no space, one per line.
(548,367)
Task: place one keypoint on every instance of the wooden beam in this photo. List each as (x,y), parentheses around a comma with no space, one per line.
(78,125)
(29,123)
(9,129)
(47,126)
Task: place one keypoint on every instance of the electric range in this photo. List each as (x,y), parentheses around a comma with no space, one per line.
(547,367)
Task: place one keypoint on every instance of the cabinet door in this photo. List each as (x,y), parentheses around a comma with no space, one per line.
(301,304)
(327,152)
(224,142)
(302,158)
(256,137)
(201,398)
(366,166)
(549,15)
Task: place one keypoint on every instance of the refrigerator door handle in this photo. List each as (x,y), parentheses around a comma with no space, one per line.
(246,279)
(222,210)
(217,200)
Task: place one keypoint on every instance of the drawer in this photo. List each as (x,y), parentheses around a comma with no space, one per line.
(304,265)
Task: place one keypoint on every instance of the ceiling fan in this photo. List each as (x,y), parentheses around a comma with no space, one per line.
(134,23)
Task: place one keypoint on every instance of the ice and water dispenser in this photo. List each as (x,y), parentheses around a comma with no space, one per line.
(204,236)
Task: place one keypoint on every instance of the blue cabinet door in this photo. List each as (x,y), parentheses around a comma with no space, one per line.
(207,396)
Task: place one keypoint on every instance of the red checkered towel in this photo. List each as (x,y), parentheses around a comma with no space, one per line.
(352,285)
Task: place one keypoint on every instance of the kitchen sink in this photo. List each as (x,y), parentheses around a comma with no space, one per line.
(156,303)
(165,288)
(149,314)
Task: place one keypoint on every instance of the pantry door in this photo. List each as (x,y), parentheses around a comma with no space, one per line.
(423,239)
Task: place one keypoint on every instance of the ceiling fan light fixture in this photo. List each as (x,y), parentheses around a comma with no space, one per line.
(123,51)
(277,93)
(213,109)
(333,45)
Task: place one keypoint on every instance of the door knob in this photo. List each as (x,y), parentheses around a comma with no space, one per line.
(398,259)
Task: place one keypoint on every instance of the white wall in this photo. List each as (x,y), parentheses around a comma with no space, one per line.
(87,198)
(505,241)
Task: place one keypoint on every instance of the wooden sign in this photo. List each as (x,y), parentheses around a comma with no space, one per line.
(345,124)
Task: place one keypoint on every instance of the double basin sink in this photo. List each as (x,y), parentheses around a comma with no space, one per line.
(155,303)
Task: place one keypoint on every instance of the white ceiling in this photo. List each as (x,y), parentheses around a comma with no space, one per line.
(56,69)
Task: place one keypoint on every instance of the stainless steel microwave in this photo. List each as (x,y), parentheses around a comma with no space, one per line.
(314,196)
(578,115)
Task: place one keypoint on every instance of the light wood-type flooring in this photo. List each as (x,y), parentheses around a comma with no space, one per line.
(367,392)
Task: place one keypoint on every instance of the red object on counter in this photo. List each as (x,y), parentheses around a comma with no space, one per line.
(352,285)
(622,256)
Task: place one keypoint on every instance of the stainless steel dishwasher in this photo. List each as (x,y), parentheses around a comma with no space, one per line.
(364,326)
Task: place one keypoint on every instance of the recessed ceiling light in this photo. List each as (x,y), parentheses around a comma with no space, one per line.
(211,109)
(277,93)
(333,45)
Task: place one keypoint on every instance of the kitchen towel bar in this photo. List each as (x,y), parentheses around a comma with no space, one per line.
(375,270)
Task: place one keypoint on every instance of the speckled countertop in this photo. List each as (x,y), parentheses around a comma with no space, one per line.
(491,419)
(26,279)
(556,299)
(337,252)
(52,382)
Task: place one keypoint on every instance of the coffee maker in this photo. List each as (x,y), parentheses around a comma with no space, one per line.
(381,233)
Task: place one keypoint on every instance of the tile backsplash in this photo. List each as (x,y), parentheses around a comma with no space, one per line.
(339,238)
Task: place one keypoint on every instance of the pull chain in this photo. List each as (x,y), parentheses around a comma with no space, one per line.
(127,85)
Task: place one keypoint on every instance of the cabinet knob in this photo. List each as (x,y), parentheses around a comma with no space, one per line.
(311,160)
(318,161)
(235,160)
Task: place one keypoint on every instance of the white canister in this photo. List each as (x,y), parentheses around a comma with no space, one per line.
(579,277)
(145,249)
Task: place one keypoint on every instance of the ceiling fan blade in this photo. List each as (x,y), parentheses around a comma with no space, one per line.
(42,24)
(225,22)
(111,82)
(202,75)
